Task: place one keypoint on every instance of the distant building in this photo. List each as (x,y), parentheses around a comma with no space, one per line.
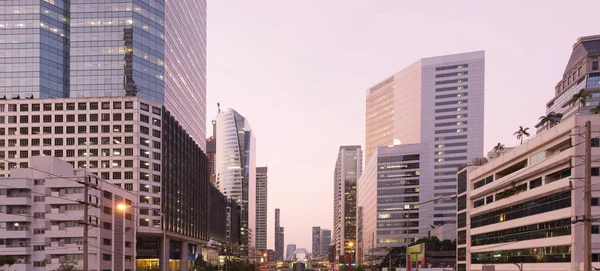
(444,232)
(279,236)
(289,253)
(236,171)
(316,241)
(523,207)
(325,242)
(41,215)
(348,168)
(211,151)
(581,72)
(261,208)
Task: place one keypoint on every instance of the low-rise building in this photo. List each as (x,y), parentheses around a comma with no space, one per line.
(522,206)
(41,216)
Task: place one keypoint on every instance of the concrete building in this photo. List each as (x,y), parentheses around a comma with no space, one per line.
(261,208)
(316,241)
(348,168)
(581,72)
(520,207)
(41,211)
(422,123)
(325,242)
(211,152)
(95,49)
(129,142)
(279,236)
(444,232)
(289,252)
(236,171)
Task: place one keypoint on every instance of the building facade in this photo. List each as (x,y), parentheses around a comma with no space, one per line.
(279,236)
(261,208)
(316,241)
(522,207)
(211,151)
(325,242)
(581,72)
(41,214)
(289,252)
(141,150)
(422,124)
(128,54)
(348,168)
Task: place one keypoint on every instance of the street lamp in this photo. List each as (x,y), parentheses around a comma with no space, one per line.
(123,207)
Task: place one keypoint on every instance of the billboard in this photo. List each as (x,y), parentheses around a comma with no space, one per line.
(417,253)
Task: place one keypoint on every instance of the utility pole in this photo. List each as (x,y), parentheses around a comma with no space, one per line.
(406,239)
(587,199)
(87,182)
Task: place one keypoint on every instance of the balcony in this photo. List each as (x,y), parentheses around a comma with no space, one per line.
(23,232)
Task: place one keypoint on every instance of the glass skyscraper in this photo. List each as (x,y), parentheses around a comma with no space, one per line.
(97,48)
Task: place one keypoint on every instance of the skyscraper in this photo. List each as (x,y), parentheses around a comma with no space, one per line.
(211,151)
(348,168)
(279,240)
(316,241)
(261,208)
(96,49)
(422,123)
(325,241)
(236,170)
(289,252)
(582,72)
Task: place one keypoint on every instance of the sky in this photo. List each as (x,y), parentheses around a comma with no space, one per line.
(298,71)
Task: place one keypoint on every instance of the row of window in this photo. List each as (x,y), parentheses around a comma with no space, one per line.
(534,231)
(532,207)
(459,116)
(451,88)
(80,153)
(73,118)
(554,254)
(93,129)
(69,106)
(81,141)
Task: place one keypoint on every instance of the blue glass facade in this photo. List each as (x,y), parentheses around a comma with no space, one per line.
(34,48)
(117,49)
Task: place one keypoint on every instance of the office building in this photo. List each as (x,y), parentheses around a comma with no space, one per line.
(224,227)
(348,167)
(261,208)
(41,214)
(143,149)
(59,49)
(581,72)
(279,236)
(422,124)
(289,252)
(236,171)
(325,241)
(522,207)
(316,241)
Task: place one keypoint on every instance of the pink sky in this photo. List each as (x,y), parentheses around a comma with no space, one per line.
(298,71)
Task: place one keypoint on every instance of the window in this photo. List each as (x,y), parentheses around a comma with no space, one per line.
(93,105)
(553,254)
(129,128)
(24,108)
(81,129)
(93,117)
(70,118)
(105,105)
(144,130)
(128,186)
(116,105)
(595,142)
(106,128)
(594,65)
(82,117)
(35,107)
(128,139)
(117,116)
(535,183)
(156,201)
(595,202)
(129,176)
(57,118)
(105,117)
(35,119)
(595,171)
(81,106)
(595,229)
(70,129)
(23,119)
(156,122)
(106,257)
(70,141)
(116,175)
(117,128)
(144,188)
(106,241)
(156,178)
(93,129)
(144,222)
(155,133)
(128,116)
(128,105)
(144,107)
(128,152)
(156,189)
(534,231)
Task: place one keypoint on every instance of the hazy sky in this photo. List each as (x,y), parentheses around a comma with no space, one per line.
(298,71)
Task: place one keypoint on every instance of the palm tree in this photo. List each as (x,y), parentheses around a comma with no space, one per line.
(499,147)
(595,110)
(548,119)
(580,97)
(522,132)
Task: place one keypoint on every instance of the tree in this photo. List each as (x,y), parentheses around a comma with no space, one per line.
(68,265)
(522,132)
(397,256)
(499,147)
(548,120)
(595,110)
(6,260)
(580,97)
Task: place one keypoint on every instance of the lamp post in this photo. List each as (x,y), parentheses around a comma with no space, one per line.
(122,207)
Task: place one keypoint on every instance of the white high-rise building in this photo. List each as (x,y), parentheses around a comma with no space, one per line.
(41,214)
(348,168)
(261,208)
(236,171)
(422,123)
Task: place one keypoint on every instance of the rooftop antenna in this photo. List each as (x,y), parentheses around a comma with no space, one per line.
(219,107)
